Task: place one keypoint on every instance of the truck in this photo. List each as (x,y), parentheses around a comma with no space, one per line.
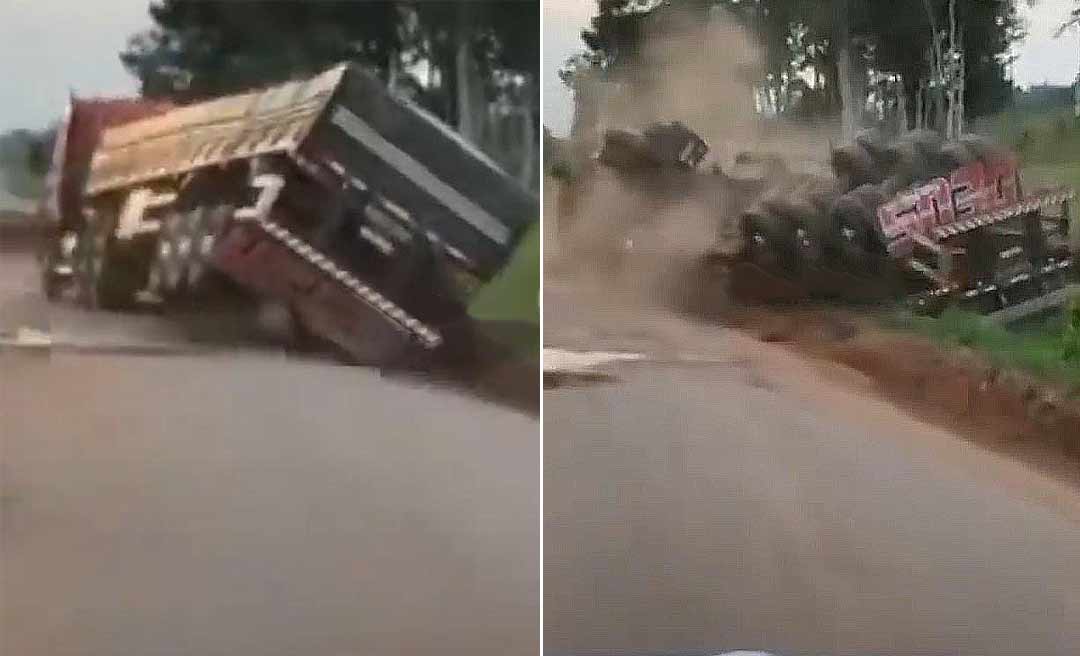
(932,223)
(365,216)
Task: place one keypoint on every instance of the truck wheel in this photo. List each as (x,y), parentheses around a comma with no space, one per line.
(917,157)
(854,165)
(51,286)
(88,265)
(983,149)
(758,240)
(807,248)
(104,277)
(956,154)
(52,282)
(167,259)
(205,226)
(194,234)
(852,235)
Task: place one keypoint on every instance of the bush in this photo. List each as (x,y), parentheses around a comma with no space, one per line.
(1071,336)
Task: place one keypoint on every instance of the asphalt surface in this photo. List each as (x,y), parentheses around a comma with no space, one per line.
(724,494)
(242,502)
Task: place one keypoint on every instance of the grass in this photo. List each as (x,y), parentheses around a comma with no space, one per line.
(1036,345)
(1044,136)
(512,298)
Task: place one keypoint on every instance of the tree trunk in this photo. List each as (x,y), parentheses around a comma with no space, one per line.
(901,108)
(528,166)
(832,81)
(392,70)
(470,110)
(919,122)
(846,70)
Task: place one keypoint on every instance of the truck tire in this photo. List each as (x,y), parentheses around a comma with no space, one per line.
(51,286)
(916,157)
(104,277)
(758,236)
(167,259)
(196,233)
(799,222)
(853,242)
(206,224)
(807,247)
(956,154)
(984,149)
(854,165)
(874,144)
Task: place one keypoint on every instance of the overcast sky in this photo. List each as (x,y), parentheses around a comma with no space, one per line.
(49,46)
(1042,58)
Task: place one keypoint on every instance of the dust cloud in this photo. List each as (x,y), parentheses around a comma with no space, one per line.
(644,234)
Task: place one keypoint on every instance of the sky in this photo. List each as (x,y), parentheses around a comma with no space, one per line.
(49,46)
(1042,58)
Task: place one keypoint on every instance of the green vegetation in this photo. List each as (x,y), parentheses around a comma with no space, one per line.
(1048,141)
(23,162)
(1045,136)
(453,58)
(203,49)
(1071,334)
(801,37)
(1047,346)
(508,308)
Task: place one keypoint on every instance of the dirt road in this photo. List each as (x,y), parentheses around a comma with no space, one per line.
(724,493)
(241,502)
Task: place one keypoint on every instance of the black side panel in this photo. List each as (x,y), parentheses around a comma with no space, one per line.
(426,168)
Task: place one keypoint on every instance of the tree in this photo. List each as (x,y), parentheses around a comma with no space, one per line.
(1071,22)
(481,51)
(476,53)
(835,44)
(211,47)
(24,160)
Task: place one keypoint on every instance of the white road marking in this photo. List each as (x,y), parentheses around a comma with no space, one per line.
(559,360)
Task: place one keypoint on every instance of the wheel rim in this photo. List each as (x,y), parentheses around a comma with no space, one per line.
(760,248)
(808,249)
(853,251)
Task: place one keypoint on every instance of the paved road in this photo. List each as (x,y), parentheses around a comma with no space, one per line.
(245,503)
(752,500)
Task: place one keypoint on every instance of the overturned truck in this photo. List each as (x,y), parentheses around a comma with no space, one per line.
(362,214)
(935,223)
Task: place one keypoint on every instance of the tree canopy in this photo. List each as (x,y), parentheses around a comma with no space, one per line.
(454,58)
(801,38)
(204,48)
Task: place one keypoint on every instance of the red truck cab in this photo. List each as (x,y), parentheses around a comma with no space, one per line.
(77,135)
